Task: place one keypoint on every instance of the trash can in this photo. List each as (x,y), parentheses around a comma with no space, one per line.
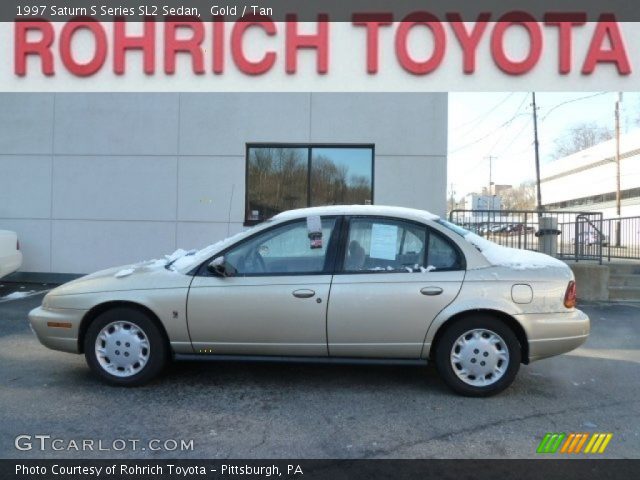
(548,236)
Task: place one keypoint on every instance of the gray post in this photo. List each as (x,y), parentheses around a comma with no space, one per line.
(548,236)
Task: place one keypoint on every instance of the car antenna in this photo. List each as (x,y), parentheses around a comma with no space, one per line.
(233,186)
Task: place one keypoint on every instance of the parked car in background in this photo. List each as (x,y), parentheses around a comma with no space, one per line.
(10,255)
(344,282)
(520,229)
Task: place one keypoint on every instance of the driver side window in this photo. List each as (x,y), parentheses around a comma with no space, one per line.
(284,250)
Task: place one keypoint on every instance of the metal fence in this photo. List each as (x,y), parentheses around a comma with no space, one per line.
(581,235)
(617,237)
(521,229)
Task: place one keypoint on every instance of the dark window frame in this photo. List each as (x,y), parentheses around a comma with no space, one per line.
(310,147)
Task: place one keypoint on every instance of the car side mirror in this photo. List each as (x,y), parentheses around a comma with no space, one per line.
(220,267)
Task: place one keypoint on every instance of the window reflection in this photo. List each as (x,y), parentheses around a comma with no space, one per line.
(285,178)
(277,180)
(341,176)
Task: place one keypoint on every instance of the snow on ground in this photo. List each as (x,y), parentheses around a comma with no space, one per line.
(512,257)
(16,295)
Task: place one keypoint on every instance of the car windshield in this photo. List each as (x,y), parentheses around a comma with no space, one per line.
(453,227)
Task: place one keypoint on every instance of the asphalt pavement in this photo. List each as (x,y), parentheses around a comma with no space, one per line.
(258,410)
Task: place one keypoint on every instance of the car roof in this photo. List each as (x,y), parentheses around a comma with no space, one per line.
(370,210)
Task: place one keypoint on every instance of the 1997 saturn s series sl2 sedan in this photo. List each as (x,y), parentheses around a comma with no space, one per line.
(352,283)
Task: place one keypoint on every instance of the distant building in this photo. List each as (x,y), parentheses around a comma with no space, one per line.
(586,180)
(475,201)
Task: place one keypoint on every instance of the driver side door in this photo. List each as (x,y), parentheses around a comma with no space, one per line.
(276,301)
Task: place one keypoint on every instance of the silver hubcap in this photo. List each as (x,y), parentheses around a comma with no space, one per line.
(479,357)
(122,349)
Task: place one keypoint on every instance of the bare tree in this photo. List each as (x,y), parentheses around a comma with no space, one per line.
(580,137)
(522,197)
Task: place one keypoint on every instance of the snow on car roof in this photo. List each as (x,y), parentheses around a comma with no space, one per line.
(401,212)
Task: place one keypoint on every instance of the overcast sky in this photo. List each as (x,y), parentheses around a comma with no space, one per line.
(500,124)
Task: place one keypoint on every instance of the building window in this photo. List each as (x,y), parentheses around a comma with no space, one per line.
(284,177)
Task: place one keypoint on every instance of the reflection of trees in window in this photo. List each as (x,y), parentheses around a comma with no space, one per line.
(277,180)
(331,184)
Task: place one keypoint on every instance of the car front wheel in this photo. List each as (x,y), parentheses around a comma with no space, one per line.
(478,356)
(123,346)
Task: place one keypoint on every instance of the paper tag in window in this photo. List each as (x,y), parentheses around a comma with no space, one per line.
(314,224)
(314,227)
(384,239)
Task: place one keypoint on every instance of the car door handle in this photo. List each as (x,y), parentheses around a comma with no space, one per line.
(303,293)
(431,291)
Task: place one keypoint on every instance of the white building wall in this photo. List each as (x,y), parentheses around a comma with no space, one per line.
(593,172)
(94,180)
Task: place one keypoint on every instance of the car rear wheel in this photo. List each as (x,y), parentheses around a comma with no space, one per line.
(478,356)
(123,346)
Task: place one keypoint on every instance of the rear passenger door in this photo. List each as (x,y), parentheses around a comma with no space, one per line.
(394,276)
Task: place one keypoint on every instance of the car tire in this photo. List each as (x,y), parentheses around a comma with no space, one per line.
(125,347)
(479,339)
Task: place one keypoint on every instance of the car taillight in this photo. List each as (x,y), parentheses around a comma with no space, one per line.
(570,298)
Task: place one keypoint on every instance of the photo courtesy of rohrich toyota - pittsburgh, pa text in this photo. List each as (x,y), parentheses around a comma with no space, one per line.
(319,239)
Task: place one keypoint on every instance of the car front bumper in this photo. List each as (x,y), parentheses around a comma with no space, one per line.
(552,334)
(57,328)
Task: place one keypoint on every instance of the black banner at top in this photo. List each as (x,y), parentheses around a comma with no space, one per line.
(309,10)
(157,469)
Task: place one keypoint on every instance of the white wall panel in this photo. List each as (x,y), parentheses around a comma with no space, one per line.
(415,182)
(114,188)
(116,124)
(211,189)
(398,124)
(25,186)
(26,122)
(200,234)
(86,246)
(222,124)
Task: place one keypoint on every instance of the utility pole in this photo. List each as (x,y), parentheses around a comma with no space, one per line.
(618,199)
(537,149)
(453,202)
(490,158)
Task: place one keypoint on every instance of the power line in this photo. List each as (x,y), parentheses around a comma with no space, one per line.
(516,114)
(571,101)
(516,136)
(484,115)
(508,122)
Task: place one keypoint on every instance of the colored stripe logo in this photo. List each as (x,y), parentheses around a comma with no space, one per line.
(593,443)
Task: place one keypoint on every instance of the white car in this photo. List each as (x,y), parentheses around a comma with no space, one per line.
(328,284)
(10,255)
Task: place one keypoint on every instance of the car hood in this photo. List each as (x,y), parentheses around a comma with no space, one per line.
(141,276)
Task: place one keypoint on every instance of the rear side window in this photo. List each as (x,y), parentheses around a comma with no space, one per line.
(442,254)
(389,245)
(381,245)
